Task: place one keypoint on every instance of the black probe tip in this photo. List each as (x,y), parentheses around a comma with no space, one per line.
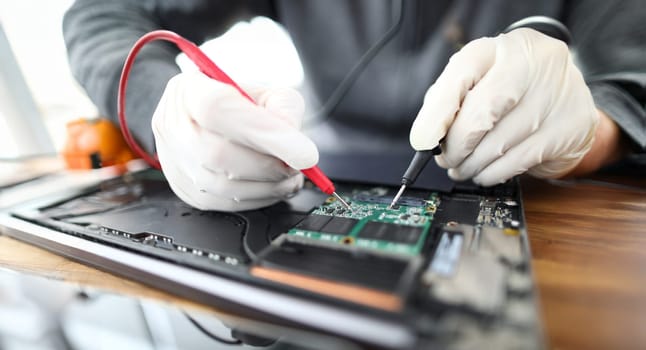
(417,164)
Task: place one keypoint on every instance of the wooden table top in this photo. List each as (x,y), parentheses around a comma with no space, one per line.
(589,258)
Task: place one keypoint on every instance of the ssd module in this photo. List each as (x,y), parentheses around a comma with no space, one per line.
(370,224)
(369,255)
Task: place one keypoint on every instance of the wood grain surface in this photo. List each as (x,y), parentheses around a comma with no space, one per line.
(589,256)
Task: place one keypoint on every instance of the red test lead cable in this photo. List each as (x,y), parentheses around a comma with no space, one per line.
(211,70)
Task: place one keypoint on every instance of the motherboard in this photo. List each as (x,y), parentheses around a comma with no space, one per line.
(454,266)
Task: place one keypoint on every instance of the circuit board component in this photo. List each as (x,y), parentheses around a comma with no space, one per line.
(370,224)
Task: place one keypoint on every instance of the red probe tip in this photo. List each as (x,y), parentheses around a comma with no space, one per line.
(324,183)
(319,179)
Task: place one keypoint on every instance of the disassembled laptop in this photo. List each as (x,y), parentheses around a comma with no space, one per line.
(451,269)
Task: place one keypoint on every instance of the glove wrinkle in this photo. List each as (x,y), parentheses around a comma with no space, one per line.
(529,109)
(220,151)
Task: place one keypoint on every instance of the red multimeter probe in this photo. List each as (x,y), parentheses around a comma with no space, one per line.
(211,70)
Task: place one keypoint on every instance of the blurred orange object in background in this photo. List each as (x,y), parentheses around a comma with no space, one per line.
(94,143)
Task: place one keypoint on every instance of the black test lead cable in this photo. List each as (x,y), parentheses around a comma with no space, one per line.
(210,334)
(324,113)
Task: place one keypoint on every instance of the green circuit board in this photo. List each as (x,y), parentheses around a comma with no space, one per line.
(370,224)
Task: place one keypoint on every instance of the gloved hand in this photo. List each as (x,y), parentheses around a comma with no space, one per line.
(507,105)
(219,151)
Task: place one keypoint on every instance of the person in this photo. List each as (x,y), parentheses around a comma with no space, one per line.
(500,104)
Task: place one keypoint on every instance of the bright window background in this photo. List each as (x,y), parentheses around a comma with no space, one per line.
(33,28)
(255,52)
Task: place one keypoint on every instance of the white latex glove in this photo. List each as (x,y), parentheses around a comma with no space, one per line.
(507,105)
(219,151)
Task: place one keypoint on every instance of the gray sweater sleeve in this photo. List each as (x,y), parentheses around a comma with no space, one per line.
(99,35)
(610,47)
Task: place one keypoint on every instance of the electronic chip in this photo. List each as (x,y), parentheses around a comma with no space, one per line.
(391,232)
(313,222)
(339,226)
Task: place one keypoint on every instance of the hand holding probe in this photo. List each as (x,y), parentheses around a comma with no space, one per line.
(545,25)
(210,69)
